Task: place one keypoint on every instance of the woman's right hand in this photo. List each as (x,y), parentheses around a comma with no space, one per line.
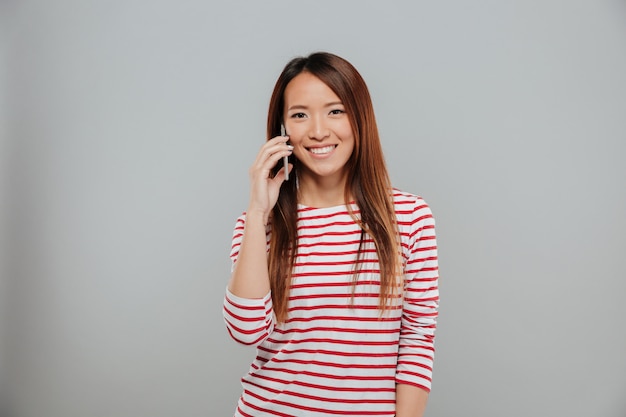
(263,188)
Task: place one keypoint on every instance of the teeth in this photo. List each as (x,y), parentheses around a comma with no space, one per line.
(325,149)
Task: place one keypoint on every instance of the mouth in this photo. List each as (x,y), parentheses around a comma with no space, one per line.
(322,150)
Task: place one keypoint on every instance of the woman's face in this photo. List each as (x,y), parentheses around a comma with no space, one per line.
(319,129)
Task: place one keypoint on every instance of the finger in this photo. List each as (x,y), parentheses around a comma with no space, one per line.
(262,169)
(273,155)
(276,140)
(280,138)
(271,147)
(280,175)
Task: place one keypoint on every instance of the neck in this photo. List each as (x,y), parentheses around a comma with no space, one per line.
(321,192)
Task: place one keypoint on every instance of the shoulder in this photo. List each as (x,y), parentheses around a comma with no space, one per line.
(407,203)
(413,214)
(414,219)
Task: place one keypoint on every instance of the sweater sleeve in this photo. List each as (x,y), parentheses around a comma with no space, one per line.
(421,301)
(248,321)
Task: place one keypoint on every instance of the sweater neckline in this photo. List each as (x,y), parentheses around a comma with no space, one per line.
(342,206)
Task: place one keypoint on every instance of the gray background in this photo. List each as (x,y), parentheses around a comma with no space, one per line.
(127,131)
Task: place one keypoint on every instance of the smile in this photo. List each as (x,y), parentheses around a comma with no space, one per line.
(322,151)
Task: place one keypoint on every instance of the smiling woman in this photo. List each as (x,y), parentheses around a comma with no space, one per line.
(321,134)
(335,272)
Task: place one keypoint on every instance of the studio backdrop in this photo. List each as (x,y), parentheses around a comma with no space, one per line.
(128,128)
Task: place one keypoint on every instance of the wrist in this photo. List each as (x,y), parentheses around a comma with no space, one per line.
(256,216)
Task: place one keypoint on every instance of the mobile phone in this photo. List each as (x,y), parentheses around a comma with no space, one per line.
(285,158)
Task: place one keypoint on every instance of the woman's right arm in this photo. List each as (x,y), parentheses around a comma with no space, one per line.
(250,279)
(247,308)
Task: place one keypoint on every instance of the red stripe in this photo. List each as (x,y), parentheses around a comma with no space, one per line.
(324,399)
(338,307)
(333,273)
(245,331)
(329,352)
(337,329)
(334,253)
(330,376)
(238,340)
(244,307)
(343,318)
(315,409)
(326,387)
(331,296)
(336,341)
(322,225)
(242,318)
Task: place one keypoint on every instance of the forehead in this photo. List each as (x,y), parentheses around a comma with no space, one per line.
(307,87)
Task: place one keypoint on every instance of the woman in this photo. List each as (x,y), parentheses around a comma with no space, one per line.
(335,272)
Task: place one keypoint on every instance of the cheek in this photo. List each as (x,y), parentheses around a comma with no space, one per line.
(345,130)
(296,133)
(347,137)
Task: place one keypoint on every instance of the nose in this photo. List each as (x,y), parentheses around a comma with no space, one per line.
(318,129)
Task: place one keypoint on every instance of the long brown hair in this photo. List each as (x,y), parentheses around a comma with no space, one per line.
(368,183)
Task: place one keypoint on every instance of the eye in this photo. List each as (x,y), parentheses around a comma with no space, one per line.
(335,112)
(298,116)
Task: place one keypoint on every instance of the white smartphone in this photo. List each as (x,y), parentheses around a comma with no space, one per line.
(285,158)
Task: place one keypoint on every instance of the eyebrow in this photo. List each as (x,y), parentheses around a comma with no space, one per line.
(300,106)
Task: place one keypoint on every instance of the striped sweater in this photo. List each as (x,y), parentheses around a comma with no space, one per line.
(336,354)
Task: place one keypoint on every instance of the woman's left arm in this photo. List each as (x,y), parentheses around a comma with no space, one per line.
(410,401)
(419,316)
